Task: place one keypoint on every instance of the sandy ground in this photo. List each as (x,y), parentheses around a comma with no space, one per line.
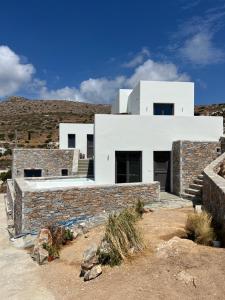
(145,277)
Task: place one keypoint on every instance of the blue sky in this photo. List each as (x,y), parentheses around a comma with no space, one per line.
(87,50)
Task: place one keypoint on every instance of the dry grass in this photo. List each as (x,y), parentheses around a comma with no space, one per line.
(199,229)
(121,235)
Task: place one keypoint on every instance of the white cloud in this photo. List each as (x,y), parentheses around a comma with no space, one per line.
(151,70)
(103,90)
(138,58)
(199,49)
(13,73)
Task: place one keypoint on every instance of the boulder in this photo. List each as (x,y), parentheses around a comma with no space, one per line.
(42,256)
(93,273)
(83,227)
(44,238)
(24,242)
(90,253)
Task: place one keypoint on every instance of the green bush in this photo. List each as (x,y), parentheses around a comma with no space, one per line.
(5,175)
(199,229)
(121,235)
(68,235)
(53,251)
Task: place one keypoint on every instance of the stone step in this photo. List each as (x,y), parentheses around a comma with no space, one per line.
(196,200)
(198,181)
(196,186)
(200,176)
(193,191)
(85,168)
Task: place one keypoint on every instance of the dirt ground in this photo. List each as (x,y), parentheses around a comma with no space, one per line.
(148,276)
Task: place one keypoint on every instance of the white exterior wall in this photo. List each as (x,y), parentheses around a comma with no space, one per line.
(146,134)
(80,130)
(133,107)
(179,93)
(119,106)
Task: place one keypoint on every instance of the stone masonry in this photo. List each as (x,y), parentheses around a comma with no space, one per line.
(213,196)
(51,161)
(189,160)
(38,208)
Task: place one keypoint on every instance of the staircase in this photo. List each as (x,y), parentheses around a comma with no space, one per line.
(194,192)
(85,168)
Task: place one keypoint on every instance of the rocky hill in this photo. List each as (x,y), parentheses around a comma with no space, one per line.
(34,123)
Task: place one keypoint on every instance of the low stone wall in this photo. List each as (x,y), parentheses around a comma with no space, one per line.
(213,196)
(38,208)
(189,160)
(50,161)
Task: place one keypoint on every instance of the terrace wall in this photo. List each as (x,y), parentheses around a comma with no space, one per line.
(37,209)
(51,161)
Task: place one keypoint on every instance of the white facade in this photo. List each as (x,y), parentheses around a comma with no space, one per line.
(80,131)
(136,125)
(146,134)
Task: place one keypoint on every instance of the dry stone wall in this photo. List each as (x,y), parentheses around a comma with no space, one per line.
(213,196)
(50,161)
(36,209)
(189,160)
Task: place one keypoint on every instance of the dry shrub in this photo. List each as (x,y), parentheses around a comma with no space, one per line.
(139,208)
(121,235)
(199,229)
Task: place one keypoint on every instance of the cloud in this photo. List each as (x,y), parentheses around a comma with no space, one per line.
(103,90)
(13,73)
(138,58)
(151,70)
(199,49)
(195,40)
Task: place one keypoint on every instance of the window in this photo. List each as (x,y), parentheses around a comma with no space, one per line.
(64,172)
(128,166)
(71,140)
(32,173)
(163,109)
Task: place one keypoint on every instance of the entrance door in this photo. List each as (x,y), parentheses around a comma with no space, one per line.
(162,169)
(90,146)
(128,166)
(32,173)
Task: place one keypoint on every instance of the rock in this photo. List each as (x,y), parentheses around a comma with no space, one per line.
(44,238)
(43,256)
(93,273)
(185,277)
(90,253)
(147,210)
(83,226)
(25,241)
(175,247)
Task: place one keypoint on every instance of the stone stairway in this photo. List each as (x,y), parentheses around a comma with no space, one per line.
(194,192)
(85,168)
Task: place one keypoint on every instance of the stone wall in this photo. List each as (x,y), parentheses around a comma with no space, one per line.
(213,196)
(39,208)
(51,161)
(189,160)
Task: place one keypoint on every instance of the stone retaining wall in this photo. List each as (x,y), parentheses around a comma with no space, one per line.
(213,195)
(51,161)
(189,160)
(36,209)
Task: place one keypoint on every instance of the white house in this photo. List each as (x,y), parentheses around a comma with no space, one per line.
(134,143)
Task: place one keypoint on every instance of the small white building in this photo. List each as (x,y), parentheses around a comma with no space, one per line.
(2,150)
(134,143)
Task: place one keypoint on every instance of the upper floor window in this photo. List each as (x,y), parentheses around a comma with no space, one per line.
(71,140)
(163,109)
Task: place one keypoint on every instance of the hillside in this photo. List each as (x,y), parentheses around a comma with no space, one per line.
(34,123)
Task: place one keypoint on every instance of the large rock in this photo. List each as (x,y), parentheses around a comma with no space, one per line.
(93,273)
(24,242)
(44,238)
(90,259)
(90,253)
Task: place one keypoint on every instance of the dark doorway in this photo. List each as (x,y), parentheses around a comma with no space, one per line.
(162,169)
(71,141)
(163,108)
(90,146)
(128,166)
(32,173)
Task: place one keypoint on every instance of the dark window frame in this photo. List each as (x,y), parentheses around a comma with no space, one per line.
(163,104)
(64,170)
(128,165)
(72,146)
(32,170)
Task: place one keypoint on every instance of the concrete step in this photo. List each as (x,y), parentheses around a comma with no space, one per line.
(193,192)
(196,186)
(198,181)
(195,199)
(85,168)
(200,176)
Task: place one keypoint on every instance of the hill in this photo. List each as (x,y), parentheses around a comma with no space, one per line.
(34,123)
